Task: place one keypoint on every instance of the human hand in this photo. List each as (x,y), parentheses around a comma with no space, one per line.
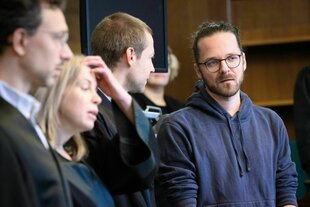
(105,78)
(110,85)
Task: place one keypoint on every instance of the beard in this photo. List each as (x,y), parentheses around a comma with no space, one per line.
(225,89)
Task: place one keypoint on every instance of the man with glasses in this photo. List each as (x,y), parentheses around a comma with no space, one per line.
(222,150)
(33,47)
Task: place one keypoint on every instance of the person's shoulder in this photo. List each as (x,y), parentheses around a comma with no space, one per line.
(257,111)
(180,115)
(177,104)
(263,109)
(139,96)
(265,112)
(142,100)
(5,106)
(11,120)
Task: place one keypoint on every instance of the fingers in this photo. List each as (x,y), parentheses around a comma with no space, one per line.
(95,62)
(97,65)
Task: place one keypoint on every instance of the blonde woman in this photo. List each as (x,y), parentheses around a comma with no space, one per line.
(69,108)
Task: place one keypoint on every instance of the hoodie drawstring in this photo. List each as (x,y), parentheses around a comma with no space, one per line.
(247,163)
(238,158)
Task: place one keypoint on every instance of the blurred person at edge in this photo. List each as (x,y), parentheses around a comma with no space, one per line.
(33,47)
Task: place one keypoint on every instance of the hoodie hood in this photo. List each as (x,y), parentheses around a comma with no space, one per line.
(203,101)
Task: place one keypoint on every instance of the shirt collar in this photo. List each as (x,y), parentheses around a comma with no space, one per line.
(108,97)
(25,103)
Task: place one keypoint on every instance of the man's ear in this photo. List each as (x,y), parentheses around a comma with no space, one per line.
(130,55)
(197,70)
(19,40)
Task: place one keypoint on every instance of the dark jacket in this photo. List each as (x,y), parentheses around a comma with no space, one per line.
(86,188)
(124,155)
(209,158)
(30,174)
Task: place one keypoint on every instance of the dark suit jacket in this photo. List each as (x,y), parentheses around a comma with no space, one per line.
(30,174)
(124,155)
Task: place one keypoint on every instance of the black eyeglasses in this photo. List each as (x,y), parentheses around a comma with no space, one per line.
(60,37)
(213,65)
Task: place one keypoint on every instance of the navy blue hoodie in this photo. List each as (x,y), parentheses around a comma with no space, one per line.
(209,158)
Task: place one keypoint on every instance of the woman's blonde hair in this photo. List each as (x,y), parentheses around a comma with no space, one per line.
(48,117)
(173,65)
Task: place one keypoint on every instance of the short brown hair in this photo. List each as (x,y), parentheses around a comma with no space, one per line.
(117,32)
